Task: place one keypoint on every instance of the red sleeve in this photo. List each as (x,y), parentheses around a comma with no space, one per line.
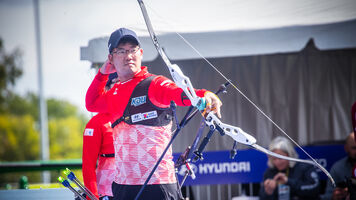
(92,139)
(95,99)
(162,91)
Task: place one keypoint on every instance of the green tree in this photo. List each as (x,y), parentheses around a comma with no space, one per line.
(19,134)
(19,138)
(60,109)
(10,70)
(65,127)
(18,105)
(19,117)
(66,138)
(19,127)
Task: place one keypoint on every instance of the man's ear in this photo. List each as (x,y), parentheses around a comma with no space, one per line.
(110,57)
(141,52)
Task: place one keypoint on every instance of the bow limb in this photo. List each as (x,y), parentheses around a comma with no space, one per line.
(268,152)
(152,33)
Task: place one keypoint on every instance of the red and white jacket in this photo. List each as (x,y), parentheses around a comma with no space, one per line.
(138,147)
(97,140)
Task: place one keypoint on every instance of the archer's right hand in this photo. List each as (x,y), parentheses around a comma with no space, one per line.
(107,67)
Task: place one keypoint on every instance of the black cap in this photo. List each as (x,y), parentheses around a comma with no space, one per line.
(117,35)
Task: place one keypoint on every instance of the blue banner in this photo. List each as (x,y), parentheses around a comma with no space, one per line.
(249,165)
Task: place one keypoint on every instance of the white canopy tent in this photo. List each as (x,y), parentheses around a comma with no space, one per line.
(234,27)
(232,43)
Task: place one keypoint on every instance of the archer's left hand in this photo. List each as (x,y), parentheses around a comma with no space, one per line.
(213,103)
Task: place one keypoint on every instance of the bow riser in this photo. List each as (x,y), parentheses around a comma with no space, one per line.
(183,82)
(234,132)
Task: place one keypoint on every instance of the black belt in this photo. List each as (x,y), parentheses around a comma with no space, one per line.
(108,155)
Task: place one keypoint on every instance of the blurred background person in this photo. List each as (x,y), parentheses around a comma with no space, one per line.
(286,179)
(342,171)
(98,159)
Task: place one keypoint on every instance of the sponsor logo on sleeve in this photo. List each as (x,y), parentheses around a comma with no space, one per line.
(88,132)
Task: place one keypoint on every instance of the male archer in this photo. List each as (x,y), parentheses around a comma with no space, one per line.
(140,106)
